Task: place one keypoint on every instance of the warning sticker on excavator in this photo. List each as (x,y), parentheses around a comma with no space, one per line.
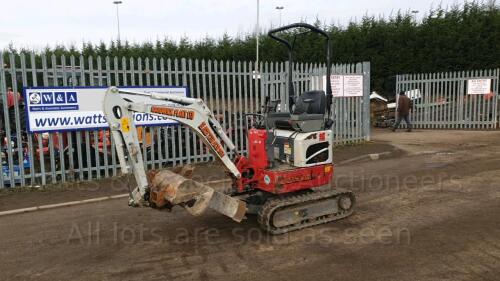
(125,124)
(288,149)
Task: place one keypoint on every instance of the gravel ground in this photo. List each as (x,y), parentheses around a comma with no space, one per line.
(431,213)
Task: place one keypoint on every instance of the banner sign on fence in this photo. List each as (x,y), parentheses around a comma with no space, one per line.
(478,86)
(80,108)
(345,85)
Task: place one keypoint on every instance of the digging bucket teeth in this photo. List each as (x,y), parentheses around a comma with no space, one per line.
(168,188)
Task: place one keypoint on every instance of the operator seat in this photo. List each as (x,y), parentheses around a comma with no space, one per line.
(307,116)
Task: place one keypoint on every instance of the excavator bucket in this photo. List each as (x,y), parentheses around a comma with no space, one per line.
(169,189)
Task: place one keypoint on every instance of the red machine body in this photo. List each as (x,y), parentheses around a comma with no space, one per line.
(284,178)
(257,153)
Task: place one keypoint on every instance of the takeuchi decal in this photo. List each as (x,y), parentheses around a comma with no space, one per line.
(209,135)
(173,112)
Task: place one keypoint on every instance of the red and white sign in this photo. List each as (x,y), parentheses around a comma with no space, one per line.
(347,85)
(353,85)
(337,82)
(343,85)
(478,86)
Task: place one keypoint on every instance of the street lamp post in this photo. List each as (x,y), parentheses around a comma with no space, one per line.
(414,12)
(257,31)
(117,3)
(280,9)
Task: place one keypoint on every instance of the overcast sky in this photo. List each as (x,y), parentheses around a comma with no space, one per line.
(37,23)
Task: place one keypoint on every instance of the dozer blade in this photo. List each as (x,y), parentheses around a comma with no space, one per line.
(169,189)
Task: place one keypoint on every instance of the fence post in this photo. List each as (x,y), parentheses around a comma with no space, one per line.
(366,100)
(285,91)
(496,97)
(3,96)
(3,91)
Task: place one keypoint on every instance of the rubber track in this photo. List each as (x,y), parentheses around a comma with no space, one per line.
(273,204)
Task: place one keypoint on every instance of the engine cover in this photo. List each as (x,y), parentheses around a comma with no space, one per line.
(302,149)
(282,161)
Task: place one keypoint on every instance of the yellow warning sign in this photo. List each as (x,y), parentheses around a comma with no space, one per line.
(125,124)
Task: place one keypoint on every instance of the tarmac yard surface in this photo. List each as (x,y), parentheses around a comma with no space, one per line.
(429,213)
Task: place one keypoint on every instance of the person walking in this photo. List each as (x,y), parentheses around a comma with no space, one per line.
(403,111)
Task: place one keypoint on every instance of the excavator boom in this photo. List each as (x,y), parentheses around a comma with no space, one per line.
(191,112)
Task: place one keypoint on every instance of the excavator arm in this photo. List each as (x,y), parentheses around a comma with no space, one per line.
(191,112)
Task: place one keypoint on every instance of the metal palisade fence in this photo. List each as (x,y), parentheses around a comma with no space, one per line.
(229,88)
(442,100)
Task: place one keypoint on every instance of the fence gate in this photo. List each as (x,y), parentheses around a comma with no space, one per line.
(443,100)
